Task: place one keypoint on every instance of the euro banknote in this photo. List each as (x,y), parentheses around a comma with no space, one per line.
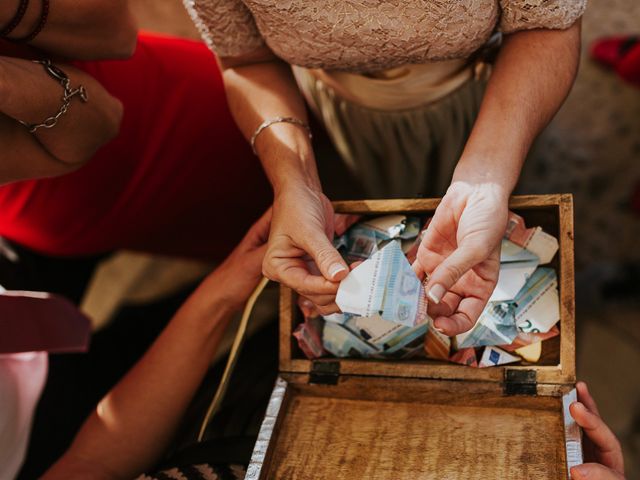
(385,285)
(496,326)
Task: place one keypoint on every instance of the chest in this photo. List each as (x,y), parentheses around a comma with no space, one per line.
(427,419)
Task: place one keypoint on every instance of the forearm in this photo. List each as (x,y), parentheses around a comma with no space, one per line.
(531,79)
(261,91)
(29,94)
(134,423)
(78,29)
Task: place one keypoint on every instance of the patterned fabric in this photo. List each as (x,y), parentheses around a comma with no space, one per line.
(369,35)
(199,472)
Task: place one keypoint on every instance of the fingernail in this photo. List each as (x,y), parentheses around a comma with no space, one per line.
(307,303)
(335,269)
(581,470)
(436,293)
(437,328)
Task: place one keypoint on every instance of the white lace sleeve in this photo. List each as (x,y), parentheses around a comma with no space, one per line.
(528,14)
(227,26)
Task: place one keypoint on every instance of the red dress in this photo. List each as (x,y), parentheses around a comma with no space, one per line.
(179,179)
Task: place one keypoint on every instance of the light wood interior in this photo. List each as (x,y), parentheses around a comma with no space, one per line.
(378,428)
(554,213)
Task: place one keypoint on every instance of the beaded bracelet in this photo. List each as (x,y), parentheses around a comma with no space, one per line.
(44,15)
(17,18)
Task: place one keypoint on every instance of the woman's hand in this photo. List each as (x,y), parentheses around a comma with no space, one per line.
(236,278)
(460,253)
(601,448)
(301,235)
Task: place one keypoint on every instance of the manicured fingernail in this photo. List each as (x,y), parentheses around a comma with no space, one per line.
(335,269)
(307,303)
(436,293)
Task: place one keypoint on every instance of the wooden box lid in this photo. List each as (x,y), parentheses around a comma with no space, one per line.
(554,213)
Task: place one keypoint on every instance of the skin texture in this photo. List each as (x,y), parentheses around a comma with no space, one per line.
(602,451)
(123,436)
(78,29)
(532,77)
(29,94)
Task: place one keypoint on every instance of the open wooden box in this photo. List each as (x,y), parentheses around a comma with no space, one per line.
(426,419)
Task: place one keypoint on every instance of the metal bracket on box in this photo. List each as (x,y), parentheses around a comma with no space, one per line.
(324,372)
(520,382)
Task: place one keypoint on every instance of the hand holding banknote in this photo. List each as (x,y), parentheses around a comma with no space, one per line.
(301,238)
(601,447)
(460,254)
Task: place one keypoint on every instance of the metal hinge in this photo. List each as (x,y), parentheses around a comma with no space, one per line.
(324,372)
(520,382)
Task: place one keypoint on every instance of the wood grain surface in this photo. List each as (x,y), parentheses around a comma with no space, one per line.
(396,431)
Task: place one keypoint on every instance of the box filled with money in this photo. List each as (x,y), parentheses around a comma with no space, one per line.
(377,392)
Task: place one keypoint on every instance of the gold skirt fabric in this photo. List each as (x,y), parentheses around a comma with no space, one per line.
(408,152)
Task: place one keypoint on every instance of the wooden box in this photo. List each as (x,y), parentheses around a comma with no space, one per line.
(425,419)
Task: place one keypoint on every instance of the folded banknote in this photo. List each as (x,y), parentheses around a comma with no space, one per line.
(384,285)
(496,326)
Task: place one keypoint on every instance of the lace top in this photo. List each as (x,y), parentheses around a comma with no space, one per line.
(369,35)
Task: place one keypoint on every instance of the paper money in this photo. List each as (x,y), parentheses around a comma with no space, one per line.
(383,334)
(436,345)
(341,342)
(372,329)
(537,304)
(386,227)
(412,228)
(340,318)
(527,338)
(405,342)
(309,336)
(516,266)
(534,239)
(385,285)
(466,356)
(517,231)
(493,356)
(358,243)
(496,326)
(399,342)
(531,353)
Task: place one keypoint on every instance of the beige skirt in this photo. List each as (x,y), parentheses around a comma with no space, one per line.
(409,152)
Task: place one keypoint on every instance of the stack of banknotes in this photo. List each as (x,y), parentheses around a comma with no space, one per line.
(384,306)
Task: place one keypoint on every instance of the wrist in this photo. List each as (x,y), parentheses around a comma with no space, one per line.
(501,174)
(298,176)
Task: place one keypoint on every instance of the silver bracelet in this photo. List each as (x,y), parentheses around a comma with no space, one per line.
(267,123)
(67,95)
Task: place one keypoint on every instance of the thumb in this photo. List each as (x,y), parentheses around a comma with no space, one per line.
(594,471)
(331,264)
(447,274)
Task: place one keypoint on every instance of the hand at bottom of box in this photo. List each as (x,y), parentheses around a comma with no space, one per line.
(602,451)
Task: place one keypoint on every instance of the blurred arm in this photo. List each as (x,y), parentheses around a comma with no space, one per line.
(29,94)
(78,29)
